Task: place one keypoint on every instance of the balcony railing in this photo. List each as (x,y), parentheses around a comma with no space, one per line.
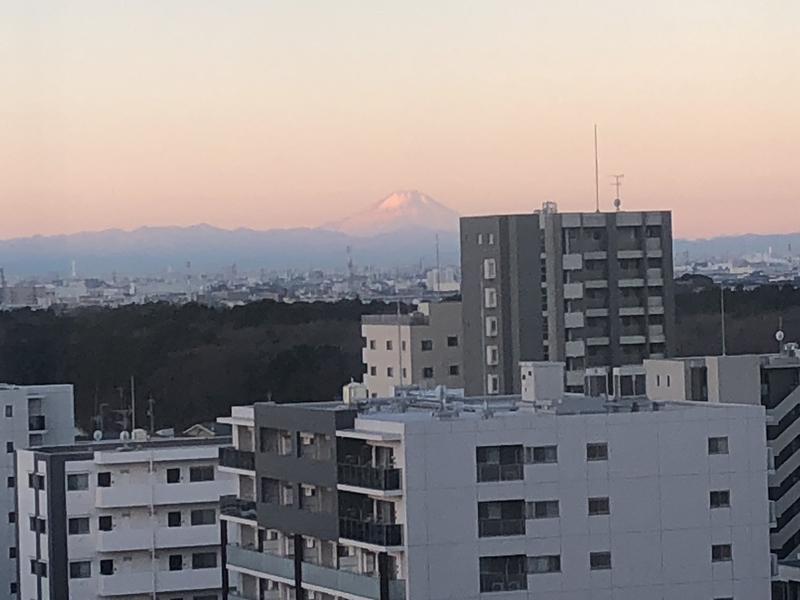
(237,459)
(233,506)
(501,527)
(370,532)
(497,472)
(36,423)
(367,476)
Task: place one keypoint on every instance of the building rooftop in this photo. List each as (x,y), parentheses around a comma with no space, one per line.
(154,443)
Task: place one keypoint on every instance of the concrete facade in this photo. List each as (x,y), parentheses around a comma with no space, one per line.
(421,349)
(121,520)
(31,416)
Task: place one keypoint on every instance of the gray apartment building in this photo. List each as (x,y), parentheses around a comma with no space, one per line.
(592,290)
(422,349)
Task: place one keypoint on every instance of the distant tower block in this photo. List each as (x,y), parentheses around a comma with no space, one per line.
(74,269)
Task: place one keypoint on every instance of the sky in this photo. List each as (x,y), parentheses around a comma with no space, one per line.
(282,113)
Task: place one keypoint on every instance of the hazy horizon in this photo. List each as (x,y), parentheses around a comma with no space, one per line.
(286,114)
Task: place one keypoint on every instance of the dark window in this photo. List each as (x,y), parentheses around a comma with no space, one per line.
(38,568)
(104,479)
(427,372)
(173,475)
(9,410)
(599,561)
(38,525)
(11,482)
(544,564)
(720,499)
(539,455)
(9,447)
(452,341)
(498,518)
(373,371)
(77,482)
(80,570)
(13,587)
(597,451)
(12,552)
(427,345)
(175,562)
(499,463)
(174,519)
(106,566)
(718,445)
(454,370)
(599,506)
(12,517)
(105,523)
(201,473)
(205,516)
(35,481)
(721,553)
(542,509)
(78,526)
(204,560)
(503,573)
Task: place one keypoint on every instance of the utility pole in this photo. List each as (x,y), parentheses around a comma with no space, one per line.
(596,173)
(722,315)
(133,405)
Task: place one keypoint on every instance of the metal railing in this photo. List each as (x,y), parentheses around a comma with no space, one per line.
(371,532)
(501,527)
(496,472)
(233,506)
(368,476)
(237,459)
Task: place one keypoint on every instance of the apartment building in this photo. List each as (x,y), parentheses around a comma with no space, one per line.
(549,495)
(593,290)
(32,416)
(772,381)
(129,519)
(422,349)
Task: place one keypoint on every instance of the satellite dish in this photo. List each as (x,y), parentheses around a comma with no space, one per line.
(97,435)
(617,203)
(779,335)
(125,436)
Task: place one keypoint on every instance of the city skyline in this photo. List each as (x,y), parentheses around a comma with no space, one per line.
(280,115)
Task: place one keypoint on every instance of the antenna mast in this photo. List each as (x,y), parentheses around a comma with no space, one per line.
(438,268)
(596,173)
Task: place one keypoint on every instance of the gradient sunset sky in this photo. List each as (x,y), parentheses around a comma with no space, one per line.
(293,113)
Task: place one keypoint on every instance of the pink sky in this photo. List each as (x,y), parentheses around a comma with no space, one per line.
(281,114)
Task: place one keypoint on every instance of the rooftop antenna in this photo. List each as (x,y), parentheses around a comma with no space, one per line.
(596,173)
(438,268)
(779,335)
(722,315)
(617,184)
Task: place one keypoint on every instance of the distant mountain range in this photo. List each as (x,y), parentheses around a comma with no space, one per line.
(399,230)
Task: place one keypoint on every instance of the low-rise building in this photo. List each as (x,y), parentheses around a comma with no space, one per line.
(124,519)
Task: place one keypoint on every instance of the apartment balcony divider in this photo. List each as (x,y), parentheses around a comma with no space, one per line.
(237,459)
(367,476)
(371,532)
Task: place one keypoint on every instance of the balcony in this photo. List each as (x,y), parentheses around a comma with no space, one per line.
(146,582)
(252,560)
(127,495)
(371,532)
(232,458)
(501,527)
(352,584)
(237,508)
(367,476)
(36,423)
(491,472)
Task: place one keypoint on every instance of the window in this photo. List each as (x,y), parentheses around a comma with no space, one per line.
(175,562)
(454,370)
(492,356)
(9,410)
(373,345)
(201,473)
(389,344)
(491,239)
(490,298)
(9,447)
(106,566)
(78,526)
(427,372)
(491,326)
(174,518)
(499,463)
(541,455)
(38,525)
(373,371)
(720,499)
(204,516)
(492,384)
(77,482)
(599,561)
(35,481)
(489,268)
(12,587)
(503,573)
(452,341)
(480,239)
(721,553)
(500,518)
(105,523)
(403,345)
(12,552)
(544,564)
(599,506)
(104,479)
(12,517)
(11,482)
(173,475)
(38,568)
(718,445)
(204,560)
(389,372)
(80,570)
(597,451)
(542,509)
(426,345)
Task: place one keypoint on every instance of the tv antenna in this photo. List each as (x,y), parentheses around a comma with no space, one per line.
(596,173)
(617,184)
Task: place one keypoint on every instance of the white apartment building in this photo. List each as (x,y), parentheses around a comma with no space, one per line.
(130,520)
(547,496)
(420,349)
(32,415)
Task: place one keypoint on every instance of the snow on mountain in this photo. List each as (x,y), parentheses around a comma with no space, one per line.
(401,210)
